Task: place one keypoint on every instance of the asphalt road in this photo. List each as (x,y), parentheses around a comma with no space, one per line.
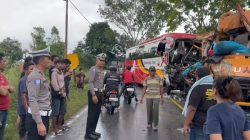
(130,123)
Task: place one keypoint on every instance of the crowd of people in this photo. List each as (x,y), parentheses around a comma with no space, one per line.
(210,110)
(39,98)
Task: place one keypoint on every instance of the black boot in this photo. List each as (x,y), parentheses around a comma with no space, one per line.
(97,134)
(91,137)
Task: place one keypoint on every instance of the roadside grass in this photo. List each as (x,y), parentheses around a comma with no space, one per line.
(77,101)
(11,133)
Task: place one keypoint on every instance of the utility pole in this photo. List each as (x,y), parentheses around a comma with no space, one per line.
(66,30)
(66,37)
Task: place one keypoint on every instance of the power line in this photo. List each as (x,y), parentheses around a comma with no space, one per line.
(80,12)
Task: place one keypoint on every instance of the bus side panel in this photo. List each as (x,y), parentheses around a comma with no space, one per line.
(140,71)
(128,63)
(233,65)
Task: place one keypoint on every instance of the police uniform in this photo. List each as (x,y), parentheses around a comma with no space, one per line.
(96,78)
(39,98)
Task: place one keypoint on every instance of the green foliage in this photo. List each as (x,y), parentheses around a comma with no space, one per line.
(100,39)
(38,38)
(197,16)
(124,41)
(55,43)
(137,19)
(78,99)
(12,50)
(86,59)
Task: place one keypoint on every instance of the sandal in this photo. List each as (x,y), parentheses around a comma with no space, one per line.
(59,133)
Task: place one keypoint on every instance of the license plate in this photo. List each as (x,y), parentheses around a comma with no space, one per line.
(130,89)
(113,99)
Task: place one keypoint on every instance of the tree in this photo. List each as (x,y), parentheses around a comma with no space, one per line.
(12,50)
(197,16)
(124,41)
(86,59)
(100,39)
(138,19)
(55,43)
(38,38)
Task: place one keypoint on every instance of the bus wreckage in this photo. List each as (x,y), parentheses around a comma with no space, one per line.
(225,51)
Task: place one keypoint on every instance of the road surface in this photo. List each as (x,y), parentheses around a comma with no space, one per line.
(130,123)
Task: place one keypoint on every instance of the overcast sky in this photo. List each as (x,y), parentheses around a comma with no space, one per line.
(18,17)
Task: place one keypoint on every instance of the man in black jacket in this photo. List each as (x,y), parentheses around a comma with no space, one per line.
(112,79)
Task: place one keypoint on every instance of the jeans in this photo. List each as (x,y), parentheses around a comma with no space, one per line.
(3,120)
(22,129)
(196,134)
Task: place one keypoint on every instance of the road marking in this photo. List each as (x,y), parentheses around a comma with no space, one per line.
(177,104)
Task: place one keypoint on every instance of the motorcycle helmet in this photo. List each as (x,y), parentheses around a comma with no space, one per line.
(152,68)
(129,68)
(112,68)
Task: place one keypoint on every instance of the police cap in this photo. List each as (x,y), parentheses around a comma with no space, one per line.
(101,56)
(44,52)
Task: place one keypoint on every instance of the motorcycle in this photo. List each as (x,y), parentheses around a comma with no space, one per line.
(129,93)
(111,101)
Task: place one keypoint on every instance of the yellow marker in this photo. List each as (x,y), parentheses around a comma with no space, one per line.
(74,59)
(177,104)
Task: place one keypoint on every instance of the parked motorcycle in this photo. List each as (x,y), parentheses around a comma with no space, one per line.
(129,93)
(111,101)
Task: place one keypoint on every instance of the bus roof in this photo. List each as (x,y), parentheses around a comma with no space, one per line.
(173,35)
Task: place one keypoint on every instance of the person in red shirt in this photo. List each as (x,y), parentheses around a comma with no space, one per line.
(5,91)
(128,79)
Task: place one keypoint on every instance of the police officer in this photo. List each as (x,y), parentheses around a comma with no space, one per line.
(37,121)
(96,78)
